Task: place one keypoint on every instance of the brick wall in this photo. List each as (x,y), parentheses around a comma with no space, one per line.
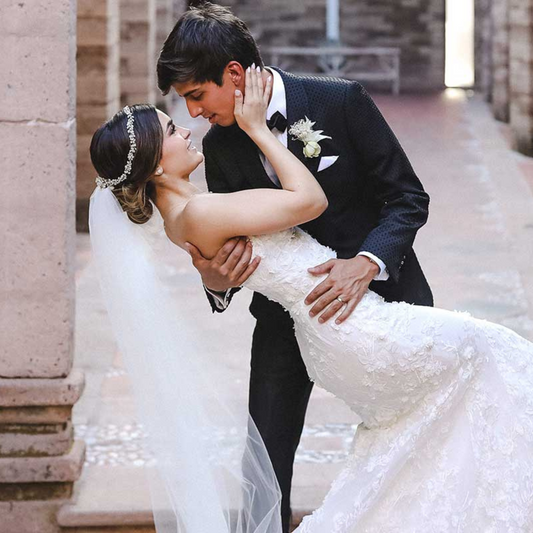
(416,26)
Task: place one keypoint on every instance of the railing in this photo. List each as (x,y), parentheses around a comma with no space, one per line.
(333,61)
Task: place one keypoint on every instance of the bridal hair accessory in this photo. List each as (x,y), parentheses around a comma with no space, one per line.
(104,183)
(303,131)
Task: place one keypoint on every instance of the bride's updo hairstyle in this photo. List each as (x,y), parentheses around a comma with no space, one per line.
(109,154)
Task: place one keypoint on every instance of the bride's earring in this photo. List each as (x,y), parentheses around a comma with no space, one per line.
(159,171)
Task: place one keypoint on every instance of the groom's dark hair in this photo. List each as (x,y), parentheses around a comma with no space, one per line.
(203,41)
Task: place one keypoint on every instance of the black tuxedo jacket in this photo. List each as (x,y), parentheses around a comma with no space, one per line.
(376,201)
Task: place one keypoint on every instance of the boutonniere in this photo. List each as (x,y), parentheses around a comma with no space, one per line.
(303,131)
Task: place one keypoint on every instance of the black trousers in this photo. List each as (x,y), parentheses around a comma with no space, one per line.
(279,394)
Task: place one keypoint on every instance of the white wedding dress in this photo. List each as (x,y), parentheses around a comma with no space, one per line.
(446,400)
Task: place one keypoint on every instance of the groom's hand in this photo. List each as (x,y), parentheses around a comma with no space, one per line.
(230,267)
(348,280)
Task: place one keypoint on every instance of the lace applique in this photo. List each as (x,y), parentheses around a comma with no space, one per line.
(446,442)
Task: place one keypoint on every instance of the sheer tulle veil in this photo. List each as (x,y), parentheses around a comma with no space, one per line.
(212,471)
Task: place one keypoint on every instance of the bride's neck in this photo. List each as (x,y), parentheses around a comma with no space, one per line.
(173,195)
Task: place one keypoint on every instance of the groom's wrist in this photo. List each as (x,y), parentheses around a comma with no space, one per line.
(372,269)
(221,292)
(373,266)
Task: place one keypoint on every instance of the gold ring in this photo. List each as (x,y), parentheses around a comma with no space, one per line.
(340,300)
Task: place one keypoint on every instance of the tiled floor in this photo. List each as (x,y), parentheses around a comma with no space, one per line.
(122,444)
(476,251)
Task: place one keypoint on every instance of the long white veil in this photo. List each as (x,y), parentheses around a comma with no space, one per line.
(213,473)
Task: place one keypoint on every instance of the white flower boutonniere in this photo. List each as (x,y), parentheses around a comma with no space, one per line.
(303,131)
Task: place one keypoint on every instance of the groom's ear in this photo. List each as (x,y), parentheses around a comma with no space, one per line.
(236,74)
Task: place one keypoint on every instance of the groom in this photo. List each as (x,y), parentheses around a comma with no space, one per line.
(376,206)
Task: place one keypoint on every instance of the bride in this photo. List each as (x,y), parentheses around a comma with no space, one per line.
(446,400)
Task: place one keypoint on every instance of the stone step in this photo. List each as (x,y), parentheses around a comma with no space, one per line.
(24,392)
(108,497)
(117,499)
(59,468)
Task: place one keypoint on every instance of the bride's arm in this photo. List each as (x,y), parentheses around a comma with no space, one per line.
(217,217)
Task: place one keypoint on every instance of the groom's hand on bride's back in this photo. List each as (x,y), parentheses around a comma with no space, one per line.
(231,266)
(344,287)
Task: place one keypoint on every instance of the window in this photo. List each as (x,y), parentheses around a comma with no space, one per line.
(459,71)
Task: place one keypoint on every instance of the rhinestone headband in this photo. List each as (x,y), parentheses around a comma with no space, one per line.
(104,183)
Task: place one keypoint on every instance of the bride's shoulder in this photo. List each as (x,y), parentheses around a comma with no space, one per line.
(200,207)
(180,221)
(201,223)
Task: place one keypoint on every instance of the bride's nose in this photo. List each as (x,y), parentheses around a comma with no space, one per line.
(184,132)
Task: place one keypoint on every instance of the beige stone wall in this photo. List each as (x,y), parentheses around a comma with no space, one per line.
(137,51)
(521,78)
(98,86)
(509,77)
(500,59)
(117,49)
(483,29)
(38,139)
(164,23)
(167,13)
(39,459)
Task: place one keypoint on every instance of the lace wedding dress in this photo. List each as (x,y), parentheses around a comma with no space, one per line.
(446,400)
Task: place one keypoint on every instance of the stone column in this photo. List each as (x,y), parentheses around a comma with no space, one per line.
(521,76)
(500,59)
(483,47)
(98,87)
(137,51)
(180,6)
(164,23)
(39,461)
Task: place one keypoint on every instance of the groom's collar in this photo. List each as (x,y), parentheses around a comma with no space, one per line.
(278,102)
(297,108)
(297,105)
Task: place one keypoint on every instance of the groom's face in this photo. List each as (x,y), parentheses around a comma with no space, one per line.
(211,101)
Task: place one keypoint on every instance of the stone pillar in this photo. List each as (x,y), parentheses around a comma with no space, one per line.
(521,77)
(164,23)
(98,87)
(180,6)
(483,47)
(38,459)
(138,79)
(500,59)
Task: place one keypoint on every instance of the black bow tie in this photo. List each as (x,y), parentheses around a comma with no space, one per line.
(278,121)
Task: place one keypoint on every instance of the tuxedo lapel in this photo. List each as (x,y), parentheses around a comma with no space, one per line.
(297,109)
(246,154)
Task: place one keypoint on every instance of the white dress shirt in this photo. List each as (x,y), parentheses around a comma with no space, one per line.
(278,102)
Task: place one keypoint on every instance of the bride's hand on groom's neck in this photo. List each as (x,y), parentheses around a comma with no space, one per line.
(251,107)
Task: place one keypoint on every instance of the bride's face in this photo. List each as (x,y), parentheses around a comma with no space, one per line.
(179,156)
